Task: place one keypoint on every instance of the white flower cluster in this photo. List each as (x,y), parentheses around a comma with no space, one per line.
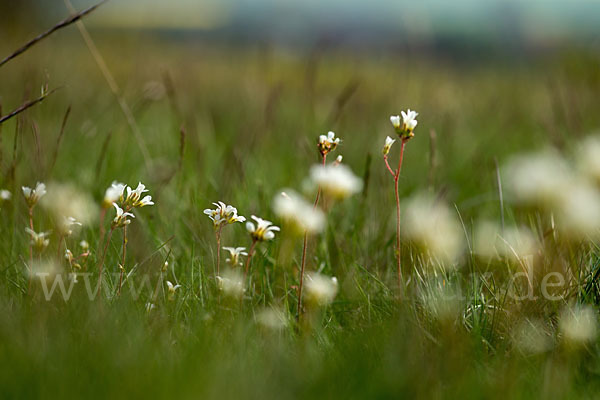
(223,215)
(406,124)
(124,198)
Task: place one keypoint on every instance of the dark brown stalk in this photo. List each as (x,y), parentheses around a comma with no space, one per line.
(64,23)
(26,105)
(59,139)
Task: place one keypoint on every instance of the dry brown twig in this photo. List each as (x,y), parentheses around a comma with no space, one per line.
(26,105)
(62,24)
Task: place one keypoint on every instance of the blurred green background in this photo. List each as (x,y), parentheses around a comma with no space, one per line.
(253,83)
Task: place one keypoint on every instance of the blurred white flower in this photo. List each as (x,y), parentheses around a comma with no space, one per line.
(149,307)
(120,219)
(263,230)
(5,195)
(337,182)
(338,160)
(67,203)
(297,212)
(272,318)
(172,289)
(231,283)
(32,196)
(44,270)
(396,121)
(85,246)
(388,145)
(578,211)
(587,157)
(579,325)
(235,254)
(223,215)
(320,289)
(67,224)
(113,194)
(327,143)
(434,227)
(38,240)
(538,179)
(134,197)
(516,243)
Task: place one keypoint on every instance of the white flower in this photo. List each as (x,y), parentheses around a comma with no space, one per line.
(32,196)
(85,246)
(406,125)
(69,256)
(38,240)
(134,197)
(296,211)
(121,217)
(409,119)
(5,195)
(223,215)
(337,182)
(327,143)
(66,227)
(231,283)
(149,307)
(172,289)
(579,325)
(263,230)
(320,289)
(338,160)
(113,194)
(433,226)
(388,145)
(235,254)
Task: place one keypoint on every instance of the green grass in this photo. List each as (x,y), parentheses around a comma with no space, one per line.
(251,118)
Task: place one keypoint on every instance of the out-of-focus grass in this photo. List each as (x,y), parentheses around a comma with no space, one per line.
(251,118)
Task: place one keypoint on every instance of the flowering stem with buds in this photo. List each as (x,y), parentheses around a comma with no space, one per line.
(101,264)
(303,261)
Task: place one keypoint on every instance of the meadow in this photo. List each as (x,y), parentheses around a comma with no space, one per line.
(241,124)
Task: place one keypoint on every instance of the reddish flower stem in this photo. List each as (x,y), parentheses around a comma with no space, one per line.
(250,253)
(396,178)
(304,245)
